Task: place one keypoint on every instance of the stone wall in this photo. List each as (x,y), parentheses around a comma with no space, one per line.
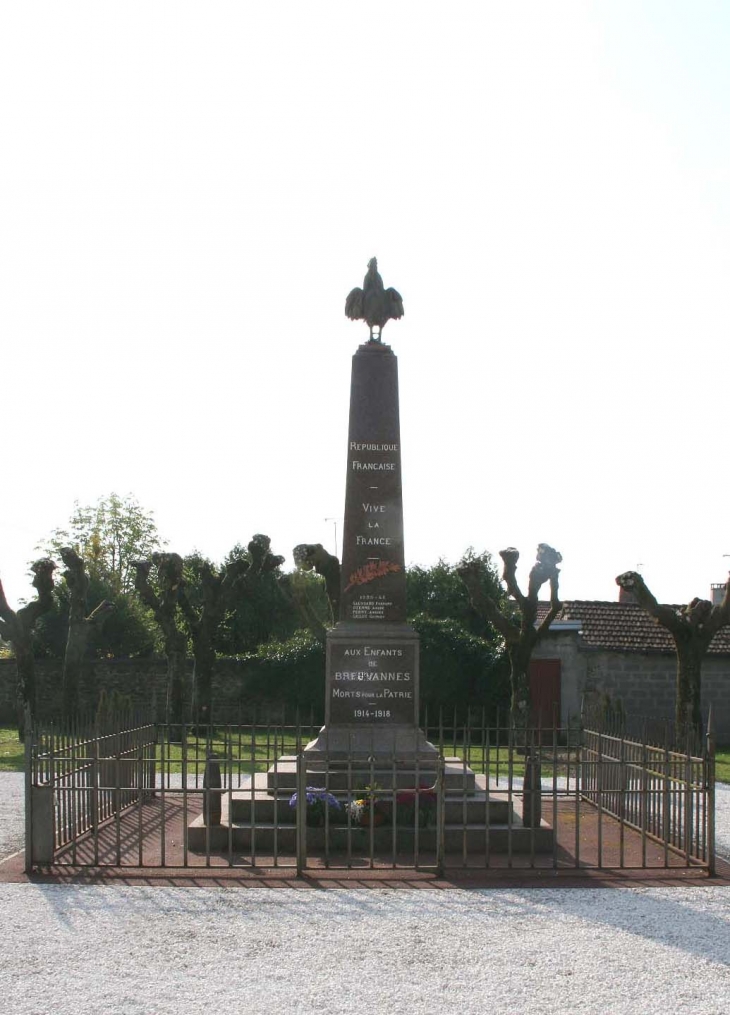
(144,680)
(645,683)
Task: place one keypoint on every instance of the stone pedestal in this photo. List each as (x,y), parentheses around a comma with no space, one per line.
(371,707)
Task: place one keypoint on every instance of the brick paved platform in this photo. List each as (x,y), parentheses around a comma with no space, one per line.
(133,849)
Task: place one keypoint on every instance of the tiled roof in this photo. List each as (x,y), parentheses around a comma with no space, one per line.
(624,627)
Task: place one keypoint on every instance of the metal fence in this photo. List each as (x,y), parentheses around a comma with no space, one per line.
(250,795)
(83,777)
(639,773)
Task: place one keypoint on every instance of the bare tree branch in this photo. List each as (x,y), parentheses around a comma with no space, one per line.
(555,606)
(510,556)
(632,582)
(43,583)
(100,612)
(308,556)
(484,604)
(142,584)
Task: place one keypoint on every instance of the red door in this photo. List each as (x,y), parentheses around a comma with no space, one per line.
(545,692)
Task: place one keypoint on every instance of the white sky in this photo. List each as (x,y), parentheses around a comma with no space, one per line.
(188,191)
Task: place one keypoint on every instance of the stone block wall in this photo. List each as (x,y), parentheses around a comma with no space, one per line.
(144,680)
(645,683)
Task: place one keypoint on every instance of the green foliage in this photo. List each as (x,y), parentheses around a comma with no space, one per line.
(290,671)
(313,585)
(459,668)
(128,631)
(12,750)
(461,654)
(109,535)
(722,764)
(438,592)
(260,612)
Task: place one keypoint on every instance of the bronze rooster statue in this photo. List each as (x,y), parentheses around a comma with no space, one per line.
(374,304)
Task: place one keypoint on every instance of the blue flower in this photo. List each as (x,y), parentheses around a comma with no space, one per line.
(317,796)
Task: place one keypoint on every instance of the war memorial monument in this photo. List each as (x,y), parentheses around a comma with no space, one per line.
(371,735)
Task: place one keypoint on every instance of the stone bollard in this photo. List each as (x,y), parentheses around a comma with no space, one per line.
(213,792)
(532,791)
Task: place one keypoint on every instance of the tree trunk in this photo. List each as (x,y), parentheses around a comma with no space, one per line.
(175,649)
(203,679)
(73,663)
(17,628)
(26,682)
(689,685)
(77,581)
(519,659)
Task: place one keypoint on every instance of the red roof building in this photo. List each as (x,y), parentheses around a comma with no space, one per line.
(617,652)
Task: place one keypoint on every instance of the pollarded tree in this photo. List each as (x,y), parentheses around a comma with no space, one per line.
(164,601)
(521,634)
(79,625)
(259,612)
(16,627)
(314,557)
(692,627)
(214,595)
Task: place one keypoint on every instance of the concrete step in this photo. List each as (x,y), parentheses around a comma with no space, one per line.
(466,817)
(269,809)
(339,776)
(268,838)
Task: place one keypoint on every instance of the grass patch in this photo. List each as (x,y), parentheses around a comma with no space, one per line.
(260,755)
(722,763)
(12,752)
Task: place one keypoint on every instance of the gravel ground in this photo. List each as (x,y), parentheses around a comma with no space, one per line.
(12,817)
(139,950)
(136,951)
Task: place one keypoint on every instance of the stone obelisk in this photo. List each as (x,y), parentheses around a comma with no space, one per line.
(372,652)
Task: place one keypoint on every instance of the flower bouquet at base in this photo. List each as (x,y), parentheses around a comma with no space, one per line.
(416,805)
(369,809)
(319,801)
(362,812)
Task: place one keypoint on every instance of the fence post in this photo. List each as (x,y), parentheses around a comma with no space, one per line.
(212,790)
(710,795)
(301,812)
(29,743)
(152,761)
(441,813)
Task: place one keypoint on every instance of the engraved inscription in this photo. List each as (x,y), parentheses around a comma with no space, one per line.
(372,682)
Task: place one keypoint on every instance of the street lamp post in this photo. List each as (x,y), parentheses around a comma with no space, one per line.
(334,522)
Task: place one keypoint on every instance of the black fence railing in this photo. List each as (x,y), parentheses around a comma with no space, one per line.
(464,792)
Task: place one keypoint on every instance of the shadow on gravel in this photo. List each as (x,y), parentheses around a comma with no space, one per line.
(677,918)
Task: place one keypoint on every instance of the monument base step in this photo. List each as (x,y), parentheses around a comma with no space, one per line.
(265,822)
(340,776)
(270,806)
(281,839)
